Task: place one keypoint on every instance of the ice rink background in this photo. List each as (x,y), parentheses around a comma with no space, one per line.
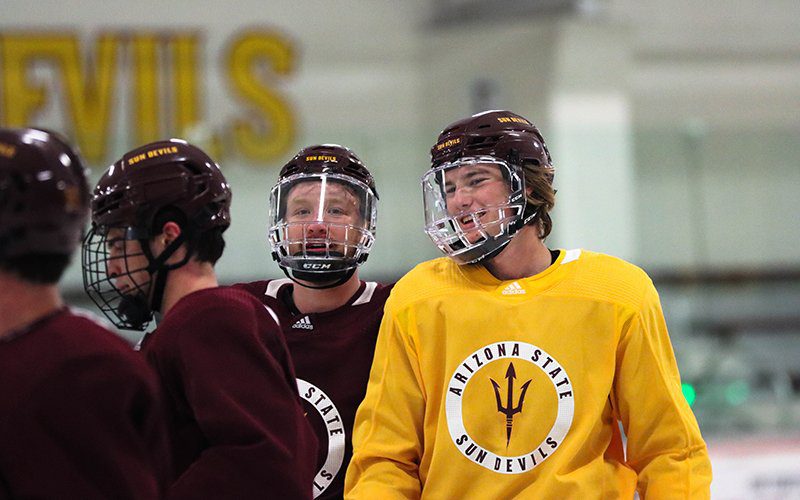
(674,128)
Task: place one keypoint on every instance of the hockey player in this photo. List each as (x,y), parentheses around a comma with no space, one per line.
(505,369)
(323,212)
(80,411)
(158,215)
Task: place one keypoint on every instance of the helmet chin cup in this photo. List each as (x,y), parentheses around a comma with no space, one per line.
(319,281)
(134,311)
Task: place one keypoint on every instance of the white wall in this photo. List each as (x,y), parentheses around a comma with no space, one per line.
(711,93)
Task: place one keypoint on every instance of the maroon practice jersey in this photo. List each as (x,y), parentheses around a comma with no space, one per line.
(235,411)
(332,354)
(80,414)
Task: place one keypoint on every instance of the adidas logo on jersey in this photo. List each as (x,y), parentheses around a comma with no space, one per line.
(305,323)
(513,289)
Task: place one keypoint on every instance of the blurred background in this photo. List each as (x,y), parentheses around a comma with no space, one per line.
(674,128)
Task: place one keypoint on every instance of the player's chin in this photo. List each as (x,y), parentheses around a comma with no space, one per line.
(321,253)
(473,234)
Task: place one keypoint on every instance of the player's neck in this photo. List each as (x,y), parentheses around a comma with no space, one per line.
(316,300)
(191,277)
(22,303)
(525,256)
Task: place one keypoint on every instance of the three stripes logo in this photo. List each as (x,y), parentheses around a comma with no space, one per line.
(513,289)
(304,323)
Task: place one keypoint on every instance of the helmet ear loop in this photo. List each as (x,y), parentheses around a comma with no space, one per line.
(158,269)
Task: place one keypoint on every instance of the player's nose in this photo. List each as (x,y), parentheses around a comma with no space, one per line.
(462,198)
(316,229)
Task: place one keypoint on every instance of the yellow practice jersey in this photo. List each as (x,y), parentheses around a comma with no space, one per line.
(494,389)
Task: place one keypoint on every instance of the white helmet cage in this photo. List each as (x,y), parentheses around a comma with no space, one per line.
(321,224)
(471,234)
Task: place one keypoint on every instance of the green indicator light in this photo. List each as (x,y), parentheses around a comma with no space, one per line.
(689,393)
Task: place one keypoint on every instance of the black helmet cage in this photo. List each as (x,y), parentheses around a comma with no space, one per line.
(321,259)
(128,308)
(502,220)
(131,308)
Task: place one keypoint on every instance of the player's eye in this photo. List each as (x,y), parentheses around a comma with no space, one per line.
(115,244)
(299,212)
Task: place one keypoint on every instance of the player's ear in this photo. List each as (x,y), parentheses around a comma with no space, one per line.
(169,232)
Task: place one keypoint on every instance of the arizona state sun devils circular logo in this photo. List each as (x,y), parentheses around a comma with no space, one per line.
(329,414)
(509,406)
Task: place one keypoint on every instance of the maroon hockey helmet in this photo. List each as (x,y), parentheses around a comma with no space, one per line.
(503,135)
(329,158)
(158,175)
(44,197)
(499,139)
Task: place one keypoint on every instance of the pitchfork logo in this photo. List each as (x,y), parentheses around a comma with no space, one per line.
(553,407)
(509,410)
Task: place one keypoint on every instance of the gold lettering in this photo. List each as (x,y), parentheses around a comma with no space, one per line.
(136,159)
(512,119)
(7,150)
(448,143)
(268,132)
(161,151)
(146,94)
(164,86)
(328,158)
(185,82)
(89,92)
(91,97)
(22,98)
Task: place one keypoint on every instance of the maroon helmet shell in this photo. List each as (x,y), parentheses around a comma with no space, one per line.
(329,158)
(162,174)
(44,197)
(502,134)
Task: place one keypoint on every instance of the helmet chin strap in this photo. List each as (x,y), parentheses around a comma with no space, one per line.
(160,269)
(518,226)
(137,309)
(320,282)
(494,253)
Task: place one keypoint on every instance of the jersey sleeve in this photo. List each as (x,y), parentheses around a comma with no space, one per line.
(664,444)
(246,409)
(388,433)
